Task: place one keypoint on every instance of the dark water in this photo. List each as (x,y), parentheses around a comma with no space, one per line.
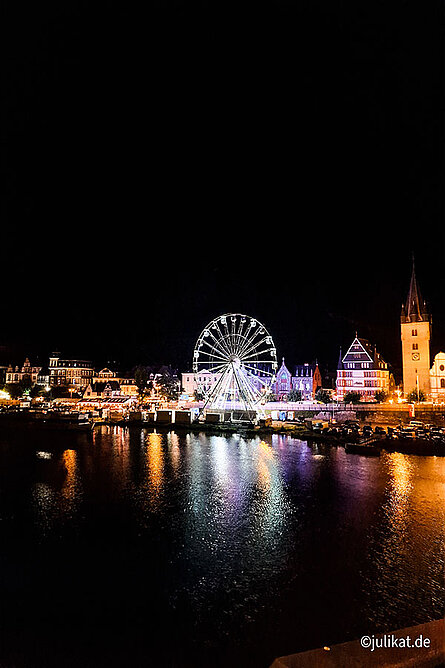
(195,550)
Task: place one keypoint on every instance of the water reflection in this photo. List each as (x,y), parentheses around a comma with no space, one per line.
(264,461)
(44,504)
(402,554)
(173,448)
(148,488)
(110,444)
(55,506)
(155,464)
(248,538)
(400,470)
(237,509)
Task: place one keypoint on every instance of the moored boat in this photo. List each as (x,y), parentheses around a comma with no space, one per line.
(369,450)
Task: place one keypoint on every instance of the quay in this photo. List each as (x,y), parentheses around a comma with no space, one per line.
(365,436)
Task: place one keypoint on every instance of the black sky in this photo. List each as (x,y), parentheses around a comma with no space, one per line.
(164,165)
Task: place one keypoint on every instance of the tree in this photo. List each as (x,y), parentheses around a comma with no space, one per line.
(352,398)
(15,390)
(294,395)
(26,382)
(198,395)
(416,395)
(323,395)
(36,391)
(59,392)
(168,385)
(141,378)
(380,396)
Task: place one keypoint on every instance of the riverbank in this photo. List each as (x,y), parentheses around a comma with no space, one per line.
(414,446)
(373,446)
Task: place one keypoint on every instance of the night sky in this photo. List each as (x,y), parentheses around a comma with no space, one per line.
(162,166)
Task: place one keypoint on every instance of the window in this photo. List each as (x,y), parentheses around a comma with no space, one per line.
(442,383)
(415,346)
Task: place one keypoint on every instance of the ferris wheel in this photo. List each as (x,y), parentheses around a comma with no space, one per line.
(234,362)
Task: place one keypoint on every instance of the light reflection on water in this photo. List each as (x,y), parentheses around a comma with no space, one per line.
(406,541)
(53,505)
(271,542)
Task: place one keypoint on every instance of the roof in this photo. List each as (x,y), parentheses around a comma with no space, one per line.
(100,386)
(361,350)
(305,369)
(415,309)
(106,400)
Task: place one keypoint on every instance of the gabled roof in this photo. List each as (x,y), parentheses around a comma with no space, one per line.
(360,350)
(283,370)
(99,386)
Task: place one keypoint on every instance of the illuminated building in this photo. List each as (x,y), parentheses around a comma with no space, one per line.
(127,386)
(307,379)
(113,405)
(18,374)
(362,370)
(99,390)
(73,374)
(205,379)
(283,383)
(415,327)
(437,378)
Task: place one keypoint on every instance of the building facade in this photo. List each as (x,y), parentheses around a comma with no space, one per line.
(307,379)
(362,370)
(437,378)
(99,390)
(127,385)
(25,372)
(415,328)
(283,383)
(73,374)
(204,381)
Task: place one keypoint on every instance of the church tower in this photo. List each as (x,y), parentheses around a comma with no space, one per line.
(415,325)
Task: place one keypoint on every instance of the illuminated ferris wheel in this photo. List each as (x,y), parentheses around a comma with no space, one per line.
(234,363)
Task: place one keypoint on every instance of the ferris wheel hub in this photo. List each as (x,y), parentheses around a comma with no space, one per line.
(235,361)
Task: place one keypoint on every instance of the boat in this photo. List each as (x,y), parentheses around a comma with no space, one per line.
(71,421)
(359,449)
(365,447)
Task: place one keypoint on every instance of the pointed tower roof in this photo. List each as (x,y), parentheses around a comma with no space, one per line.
(340,360)
(283,370)
(415,308)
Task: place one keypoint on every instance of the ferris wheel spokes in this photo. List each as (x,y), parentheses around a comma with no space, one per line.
(233,348)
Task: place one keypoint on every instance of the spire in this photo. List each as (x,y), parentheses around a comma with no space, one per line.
(340,360)
(415,308)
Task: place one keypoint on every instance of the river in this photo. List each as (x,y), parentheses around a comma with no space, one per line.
(134,548)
